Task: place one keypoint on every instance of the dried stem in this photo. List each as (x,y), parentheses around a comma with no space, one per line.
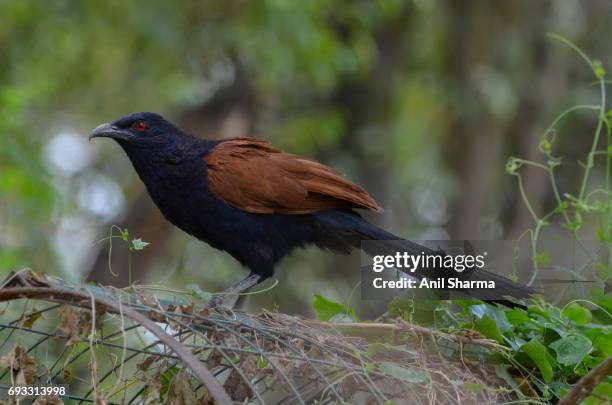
(402,326)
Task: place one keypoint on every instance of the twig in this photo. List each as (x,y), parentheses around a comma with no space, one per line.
(585,386)
(94,363)
(406,327)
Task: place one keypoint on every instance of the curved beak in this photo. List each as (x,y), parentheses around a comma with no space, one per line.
(108,131)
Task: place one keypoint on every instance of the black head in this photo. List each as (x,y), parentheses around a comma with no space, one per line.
(143,129)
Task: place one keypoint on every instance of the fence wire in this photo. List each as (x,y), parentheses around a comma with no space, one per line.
(104,357)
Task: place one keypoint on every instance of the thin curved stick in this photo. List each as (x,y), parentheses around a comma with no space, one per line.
(199,369)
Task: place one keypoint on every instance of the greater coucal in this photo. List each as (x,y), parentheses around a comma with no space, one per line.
(254,201)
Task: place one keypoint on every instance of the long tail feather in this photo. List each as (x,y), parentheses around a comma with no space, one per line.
(354,230)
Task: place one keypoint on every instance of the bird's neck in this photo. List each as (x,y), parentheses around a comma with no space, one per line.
(171,163)
(146,164)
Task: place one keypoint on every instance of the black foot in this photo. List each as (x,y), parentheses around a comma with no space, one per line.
(231,297)
(218,302)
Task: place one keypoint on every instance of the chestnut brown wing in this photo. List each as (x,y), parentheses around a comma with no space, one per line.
(252,175)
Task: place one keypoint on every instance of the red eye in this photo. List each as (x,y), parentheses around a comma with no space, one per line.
(140,126)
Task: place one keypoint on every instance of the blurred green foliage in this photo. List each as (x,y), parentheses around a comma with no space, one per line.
(419,101)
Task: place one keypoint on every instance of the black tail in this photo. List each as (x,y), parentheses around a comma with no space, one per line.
(354,230)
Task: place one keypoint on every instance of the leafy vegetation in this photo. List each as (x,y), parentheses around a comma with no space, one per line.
(419,101)
(551,348)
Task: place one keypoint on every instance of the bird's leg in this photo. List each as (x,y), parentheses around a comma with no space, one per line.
(241,286)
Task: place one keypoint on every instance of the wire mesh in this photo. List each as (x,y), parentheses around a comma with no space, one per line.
(269,358)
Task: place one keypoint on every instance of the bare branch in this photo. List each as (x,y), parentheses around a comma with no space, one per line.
(587,384)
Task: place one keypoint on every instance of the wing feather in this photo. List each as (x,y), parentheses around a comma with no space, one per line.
(252,175)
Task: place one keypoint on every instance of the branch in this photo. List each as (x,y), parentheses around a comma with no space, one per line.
(587,384)
(191,360)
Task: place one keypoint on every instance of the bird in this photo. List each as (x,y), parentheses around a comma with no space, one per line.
(256,202)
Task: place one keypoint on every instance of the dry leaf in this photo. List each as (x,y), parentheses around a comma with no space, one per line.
(146,300)
(153,385)
(237,389)
(22,366)
(52,400)
(146,364)
(249,366)
(69,323)
(28,320)
(100,400)
(39,279)
(85,320)
(525,386)
(180,391)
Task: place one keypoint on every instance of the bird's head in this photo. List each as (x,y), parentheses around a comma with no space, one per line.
(138,130)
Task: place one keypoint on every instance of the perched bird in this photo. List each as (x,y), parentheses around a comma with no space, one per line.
(256,202)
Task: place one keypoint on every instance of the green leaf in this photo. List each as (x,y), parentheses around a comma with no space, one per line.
(542,258)
(598,69)
(571,349)
(603,271)
(603,391)
(341,318)
(577,313)
(501,370)
(573,226)
(601,234)
(165,379)
(262,362)
(540,356)
(412,375)
(550,334)
(517,317)
(424,313)
(545,145)
(197,292)
(516,342)
(326,309)
(465,304)
(537,310)
(400,305)
(602,298)
(494,313)
(139,244)
(488,328)
(603,343)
